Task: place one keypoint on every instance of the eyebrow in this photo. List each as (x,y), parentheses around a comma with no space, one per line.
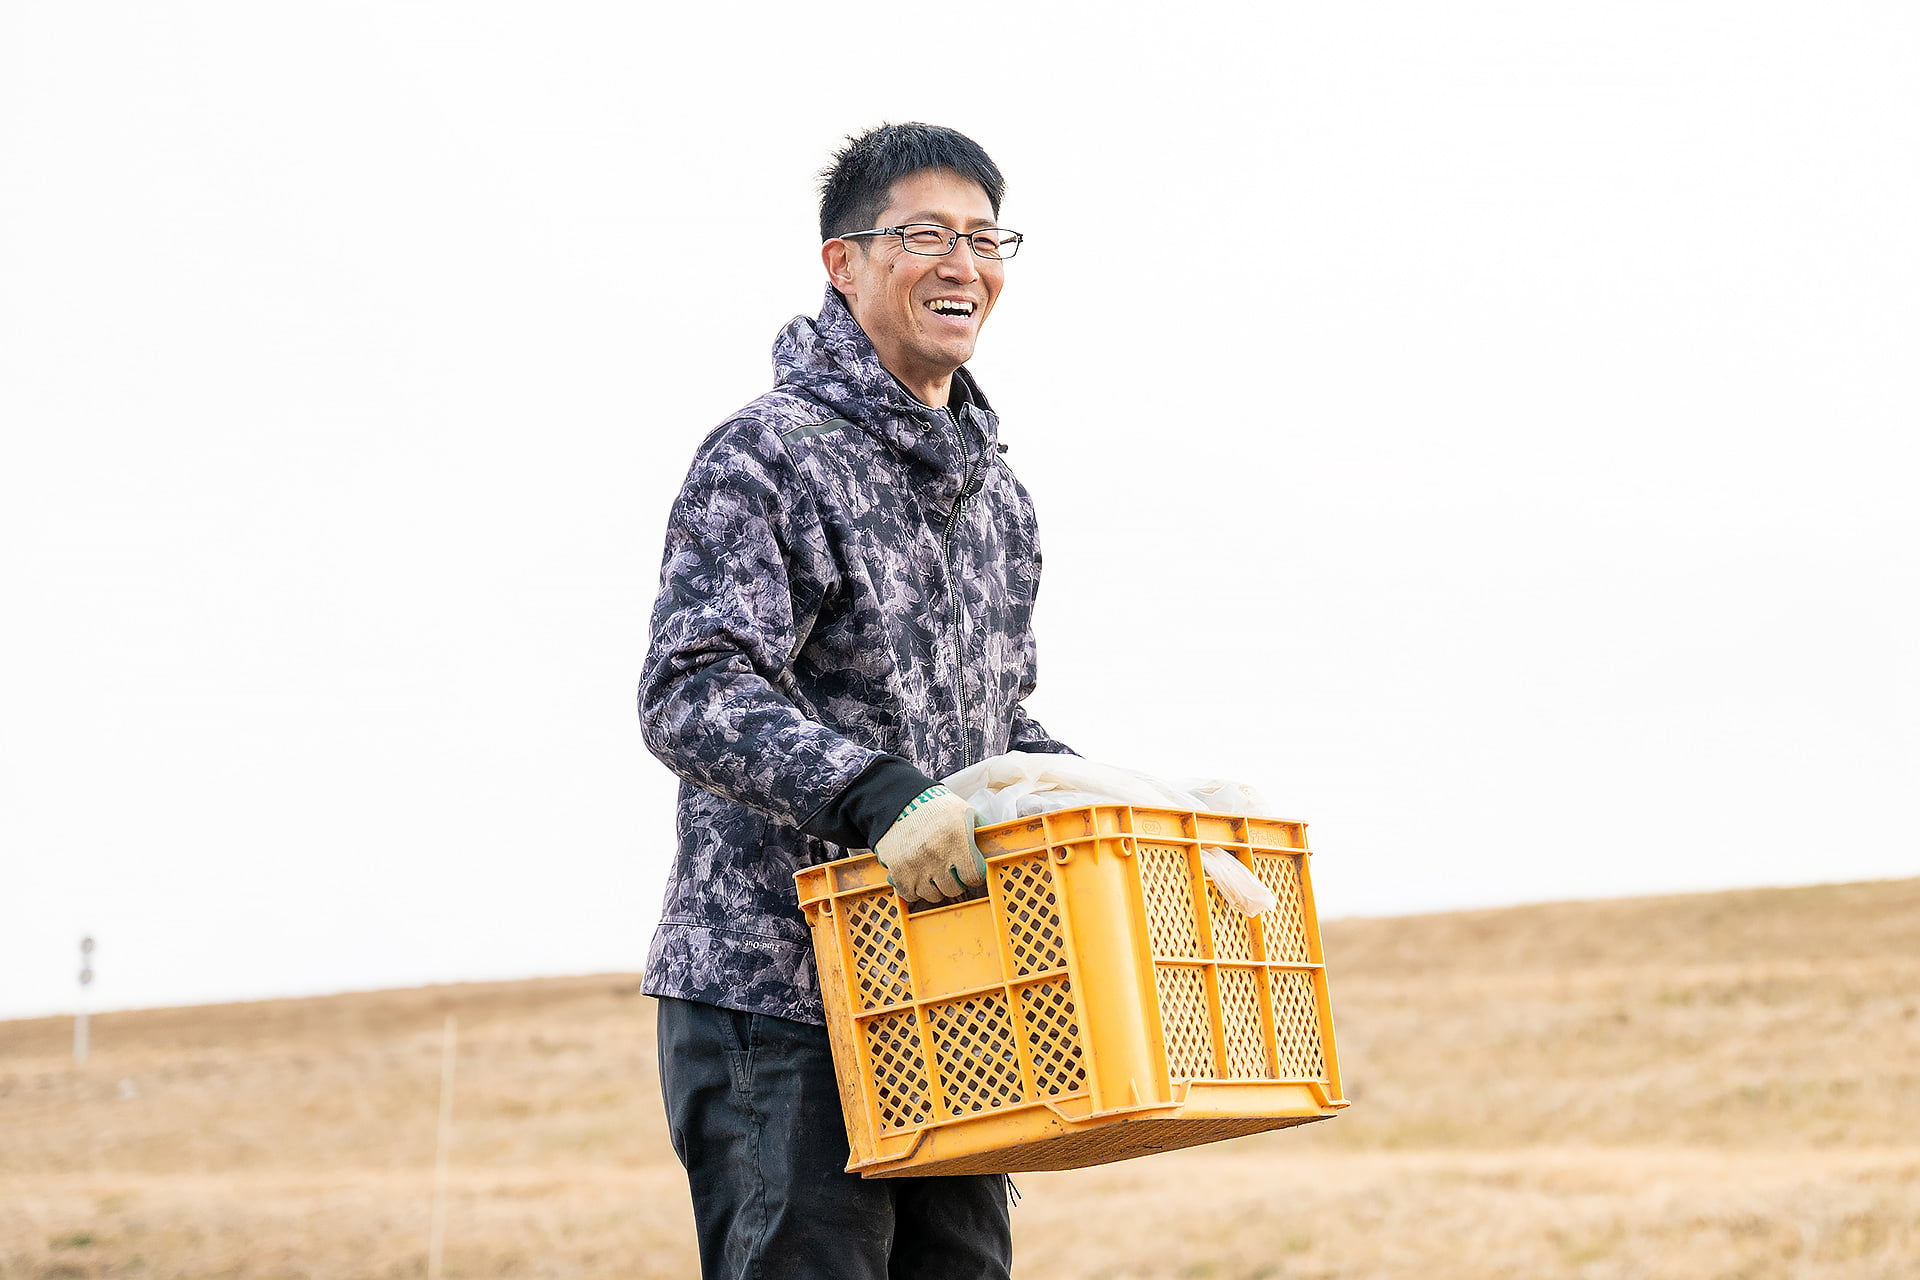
(928,215)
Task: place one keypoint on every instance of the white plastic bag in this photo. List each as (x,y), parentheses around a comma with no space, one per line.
(1236,884)
(1226,797)
(1023,783)
(998,788)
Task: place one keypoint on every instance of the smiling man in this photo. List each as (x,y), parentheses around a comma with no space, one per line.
(918,302)
(844,617)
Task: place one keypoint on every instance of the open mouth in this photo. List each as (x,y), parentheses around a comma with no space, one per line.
(950,307)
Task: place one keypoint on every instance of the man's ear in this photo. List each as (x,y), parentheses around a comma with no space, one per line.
(836,256)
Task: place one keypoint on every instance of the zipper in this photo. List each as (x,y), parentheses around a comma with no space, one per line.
(959,612)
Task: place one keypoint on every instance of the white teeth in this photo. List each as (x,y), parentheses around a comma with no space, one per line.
(947,306)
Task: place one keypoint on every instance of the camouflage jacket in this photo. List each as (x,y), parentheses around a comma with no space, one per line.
(847,573)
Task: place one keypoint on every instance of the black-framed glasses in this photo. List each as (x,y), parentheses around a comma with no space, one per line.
(931,240)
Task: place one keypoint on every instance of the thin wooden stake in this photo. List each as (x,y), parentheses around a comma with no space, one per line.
(437,1238)
(80,1010)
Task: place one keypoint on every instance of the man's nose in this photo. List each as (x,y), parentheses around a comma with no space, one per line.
(960,265)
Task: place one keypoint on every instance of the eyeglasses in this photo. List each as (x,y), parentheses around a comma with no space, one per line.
(931,240)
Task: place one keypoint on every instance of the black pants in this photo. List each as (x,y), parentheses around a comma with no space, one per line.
(755,1118)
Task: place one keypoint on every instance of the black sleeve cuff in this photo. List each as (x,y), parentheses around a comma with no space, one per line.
(861,814)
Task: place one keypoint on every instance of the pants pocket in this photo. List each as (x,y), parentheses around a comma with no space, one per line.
(740,1058)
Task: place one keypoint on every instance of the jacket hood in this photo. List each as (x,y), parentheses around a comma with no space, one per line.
(830,359)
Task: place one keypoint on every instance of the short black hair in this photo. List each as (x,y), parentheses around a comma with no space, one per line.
(855,187)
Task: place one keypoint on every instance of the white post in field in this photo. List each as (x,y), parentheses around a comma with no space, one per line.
(80,1015)
(436,1239)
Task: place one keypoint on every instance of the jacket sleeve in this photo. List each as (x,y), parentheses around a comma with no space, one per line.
(1026,733)
(744,574)
(1029,734)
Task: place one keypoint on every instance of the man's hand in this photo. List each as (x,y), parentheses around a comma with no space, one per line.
(929,851)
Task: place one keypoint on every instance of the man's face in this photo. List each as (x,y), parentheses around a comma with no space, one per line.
(890,291)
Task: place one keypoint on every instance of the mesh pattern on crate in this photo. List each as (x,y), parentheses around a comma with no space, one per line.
(1184,1023)
(1052,1025)
(1032,916)
(1232,939)
(978,1067)
(1285,926)
(879,950)
(1164,882)
(1240,1016)
(1296,1027)
(899,1070)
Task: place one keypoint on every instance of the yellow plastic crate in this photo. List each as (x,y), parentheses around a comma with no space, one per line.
(1101,1002)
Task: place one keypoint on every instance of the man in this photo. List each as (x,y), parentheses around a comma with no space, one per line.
(844,617)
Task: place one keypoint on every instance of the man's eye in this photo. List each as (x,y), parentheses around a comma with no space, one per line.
(926,238)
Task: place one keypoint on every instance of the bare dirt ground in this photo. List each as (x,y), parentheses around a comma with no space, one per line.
(1718,1085)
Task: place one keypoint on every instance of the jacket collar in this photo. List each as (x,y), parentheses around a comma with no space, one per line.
(831,360)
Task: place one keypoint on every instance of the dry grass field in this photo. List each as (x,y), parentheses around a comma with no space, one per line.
(1721,1085)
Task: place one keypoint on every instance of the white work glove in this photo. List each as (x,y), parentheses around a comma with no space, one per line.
(929,851)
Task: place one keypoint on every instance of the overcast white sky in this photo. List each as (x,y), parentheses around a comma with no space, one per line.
(1486,427)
